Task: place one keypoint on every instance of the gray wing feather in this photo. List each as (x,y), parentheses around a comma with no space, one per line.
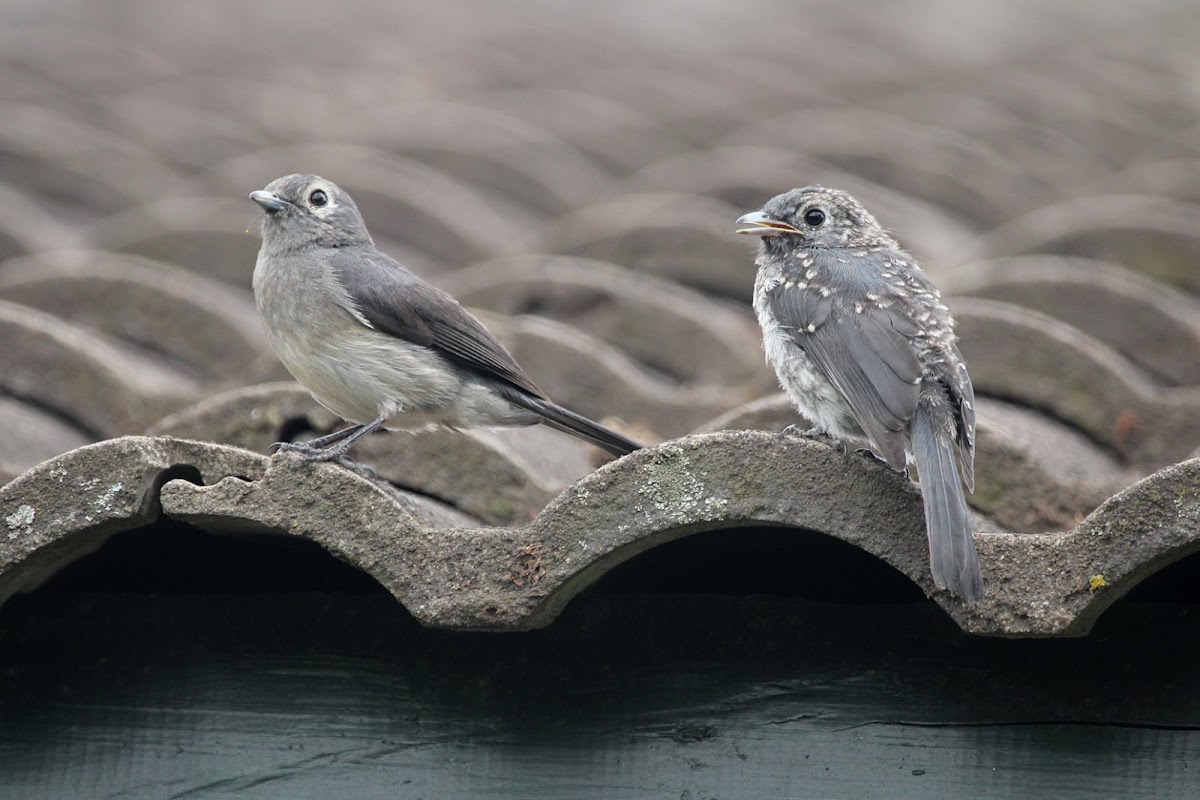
(397,302)
(798,308)
(872,364)
(962,396)
(889,360)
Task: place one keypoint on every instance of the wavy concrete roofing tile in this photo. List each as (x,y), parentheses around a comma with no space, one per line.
(69,506)
(31,436)
(671,329)
(1112,120)
(617,136)
(541,180)
(174,123)
(251,101)
(937,164)
(1146,80)
(772,50)
(214,236)
(483,147)
(748,176)
(685,237)
(1043,151)
(760,82)
(1154,235)
(79,170)
(594,378)
(23,83)
(1151,324)
(1032,473)
(697,101)
(490,476)
(498,579)
(27,226)
(400,199)
(217,33)
(1177,178)
(1042,363)
(203,328)
(1181,143)
(1036,475)
(98,386)
(101,59)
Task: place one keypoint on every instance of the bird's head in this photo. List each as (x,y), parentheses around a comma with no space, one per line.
(814,217)
(307,209)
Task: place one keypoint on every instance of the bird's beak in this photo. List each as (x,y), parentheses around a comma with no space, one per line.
(762,225)
(270,203)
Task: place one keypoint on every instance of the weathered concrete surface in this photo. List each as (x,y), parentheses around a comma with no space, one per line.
(1079,574)
(451,572)
(152,305)
(31,435)
(679,236)
(497,478)
(1149,323)
(1031,474)
(1039,362)
(746,175)
(68,506)
(675,331)
(593,378)
(106,388)
(1152,235)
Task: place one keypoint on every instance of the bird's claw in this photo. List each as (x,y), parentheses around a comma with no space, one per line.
(355,467)
(816,435)
(866,452)
(808,433)
(315,455)
(291,447)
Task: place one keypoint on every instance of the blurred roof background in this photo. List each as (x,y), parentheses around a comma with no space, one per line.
(997,141)
(572,171)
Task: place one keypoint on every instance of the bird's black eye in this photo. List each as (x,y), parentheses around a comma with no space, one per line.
(318,198)
(814,217)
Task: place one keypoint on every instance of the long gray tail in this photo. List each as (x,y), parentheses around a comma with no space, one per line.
(952,556)
(566,421)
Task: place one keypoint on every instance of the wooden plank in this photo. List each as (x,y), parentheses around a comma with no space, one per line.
(313,696)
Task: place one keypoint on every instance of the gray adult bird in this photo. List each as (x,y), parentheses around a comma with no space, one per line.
(374,343)
(865,349)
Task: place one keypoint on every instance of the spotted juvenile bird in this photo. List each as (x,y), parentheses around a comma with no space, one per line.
(374,343)
(865,349)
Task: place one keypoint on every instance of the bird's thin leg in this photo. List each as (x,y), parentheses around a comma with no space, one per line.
(341,441)
(338,451)
(313,444)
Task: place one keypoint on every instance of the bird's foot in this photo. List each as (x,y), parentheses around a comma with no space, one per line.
(816,435)
(355,467)
(302,448)
(867,453)
(311,455)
